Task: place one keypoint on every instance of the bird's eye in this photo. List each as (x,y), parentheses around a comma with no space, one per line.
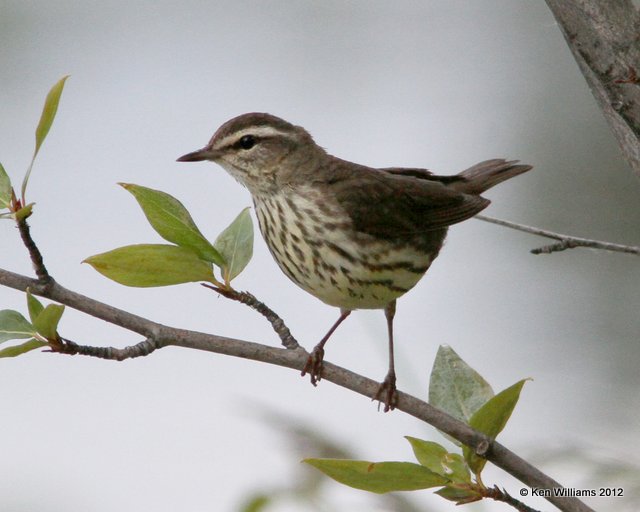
(247,141)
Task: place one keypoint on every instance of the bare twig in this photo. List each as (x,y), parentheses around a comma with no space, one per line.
(65,346)
(565,241)
(288,341)
(34,253)
(296,359)
(498,494)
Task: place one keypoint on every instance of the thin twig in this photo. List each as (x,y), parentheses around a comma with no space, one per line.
(144,348)
(296,359)
(288,341)
(34,252)
(565,241)
(498,494)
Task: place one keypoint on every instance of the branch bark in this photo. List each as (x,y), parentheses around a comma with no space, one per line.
(604,38)
(158,335)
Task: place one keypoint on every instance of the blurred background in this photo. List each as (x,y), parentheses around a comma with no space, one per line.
(439,84)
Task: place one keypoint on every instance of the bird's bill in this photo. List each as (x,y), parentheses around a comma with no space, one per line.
(199,155)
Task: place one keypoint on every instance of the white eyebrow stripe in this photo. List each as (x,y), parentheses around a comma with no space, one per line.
(257,131)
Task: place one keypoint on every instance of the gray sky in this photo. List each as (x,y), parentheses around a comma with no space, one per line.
(438,84)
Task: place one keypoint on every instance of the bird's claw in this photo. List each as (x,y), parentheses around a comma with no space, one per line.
(387,393)
(314,365)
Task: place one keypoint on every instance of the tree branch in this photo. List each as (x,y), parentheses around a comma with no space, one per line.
(603,37)
(160,336)
(565,241)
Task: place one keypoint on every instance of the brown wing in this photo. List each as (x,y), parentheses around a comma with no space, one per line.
(392,204)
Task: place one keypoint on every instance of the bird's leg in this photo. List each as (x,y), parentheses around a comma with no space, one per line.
(314,362)
(387,392)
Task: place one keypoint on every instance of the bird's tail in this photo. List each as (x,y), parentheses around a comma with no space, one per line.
(487,174)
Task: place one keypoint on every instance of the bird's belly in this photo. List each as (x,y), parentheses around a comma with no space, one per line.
(319,251)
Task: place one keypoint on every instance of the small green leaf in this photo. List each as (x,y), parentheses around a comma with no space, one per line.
(47,321)
(455,387)
(34,305)
(257,503)
(436,458)
(428,453)
(235,244)
(460,495)
(148,265)
(17,350)
(14,326)
(5,188)
(46,120)
(491,418)
(173,222)
(49,112)
(378,477)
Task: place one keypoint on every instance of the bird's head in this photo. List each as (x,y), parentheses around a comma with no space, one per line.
(260,150)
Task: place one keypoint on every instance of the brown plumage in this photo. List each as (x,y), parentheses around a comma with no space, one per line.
(353,236)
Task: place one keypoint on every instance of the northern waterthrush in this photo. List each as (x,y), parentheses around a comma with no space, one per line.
(353,236)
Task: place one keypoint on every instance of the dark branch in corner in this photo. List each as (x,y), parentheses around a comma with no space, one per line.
(603,37)
(565,241)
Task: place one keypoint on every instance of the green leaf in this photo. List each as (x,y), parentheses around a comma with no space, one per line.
(5,188)
(148,265)
(378,477)
(235,244)
(455,387)
(436,458)
(455,468)
(460,495)
(257,503)
(173,222)
(46,120)
(491,418)
(428,453)
(46,322)
(34,305)
(14,326)
(17,350)
(49,112)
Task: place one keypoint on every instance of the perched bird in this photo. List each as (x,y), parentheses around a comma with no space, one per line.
(353,236)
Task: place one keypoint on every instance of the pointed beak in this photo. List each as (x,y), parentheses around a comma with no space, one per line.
(200,155)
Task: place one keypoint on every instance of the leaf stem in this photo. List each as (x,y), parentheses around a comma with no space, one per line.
(25,180)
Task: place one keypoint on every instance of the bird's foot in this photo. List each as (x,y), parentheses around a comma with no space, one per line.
(314,365)
(387,393)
